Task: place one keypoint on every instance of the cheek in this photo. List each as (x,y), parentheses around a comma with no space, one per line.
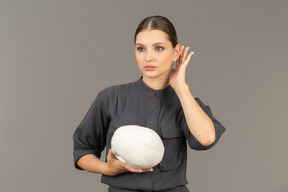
(167,57)
(138,56)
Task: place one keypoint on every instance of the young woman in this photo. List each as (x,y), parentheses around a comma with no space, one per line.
(160,100)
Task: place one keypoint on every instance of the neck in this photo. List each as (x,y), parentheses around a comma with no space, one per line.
(156,83)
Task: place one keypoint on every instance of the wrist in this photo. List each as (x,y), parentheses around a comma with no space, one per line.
(181,89)
(104,169)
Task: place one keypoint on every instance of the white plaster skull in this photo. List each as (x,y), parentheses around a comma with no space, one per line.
(139,147)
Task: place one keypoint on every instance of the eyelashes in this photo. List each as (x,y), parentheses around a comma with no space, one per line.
(142,49)
(159,48)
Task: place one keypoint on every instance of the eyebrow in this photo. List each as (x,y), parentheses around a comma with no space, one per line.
(152,45)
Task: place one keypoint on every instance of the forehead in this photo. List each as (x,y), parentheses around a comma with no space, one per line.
(151,36)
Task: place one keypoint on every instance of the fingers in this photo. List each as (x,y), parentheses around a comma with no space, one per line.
(180,59)
(147,170)
(183,55)
(132,169)
(190,55)
(183,58)
(111,158)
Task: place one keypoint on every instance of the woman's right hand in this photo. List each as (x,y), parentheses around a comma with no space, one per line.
(115,167)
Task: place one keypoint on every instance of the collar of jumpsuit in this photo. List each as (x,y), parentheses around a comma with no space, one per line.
(151,92)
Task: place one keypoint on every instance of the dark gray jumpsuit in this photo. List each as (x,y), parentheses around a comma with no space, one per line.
(137,104)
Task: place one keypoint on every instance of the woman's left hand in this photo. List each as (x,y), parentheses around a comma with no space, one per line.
(177,77)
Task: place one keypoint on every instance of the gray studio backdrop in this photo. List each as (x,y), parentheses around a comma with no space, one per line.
(56,55)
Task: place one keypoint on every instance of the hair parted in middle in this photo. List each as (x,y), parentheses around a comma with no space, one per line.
(160,23)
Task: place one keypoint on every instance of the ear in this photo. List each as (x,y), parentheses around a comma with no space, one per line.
(177,51)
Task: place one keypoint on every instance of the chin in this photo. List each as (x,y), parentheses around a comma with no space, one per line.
(154,76)
(150,75)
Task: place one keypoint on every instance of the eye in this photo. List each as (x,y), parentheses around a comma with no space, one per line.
(140,49)
(159,48)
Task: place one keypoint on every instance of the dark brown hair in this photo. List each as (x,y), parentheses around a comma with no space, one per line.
(160,23)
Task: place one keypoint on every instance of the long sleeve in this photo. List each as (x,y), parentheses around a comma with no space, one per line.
(90,135)
(219,129)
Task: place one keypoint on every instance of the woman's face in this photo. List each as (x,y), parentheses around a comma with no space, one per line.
(154,53)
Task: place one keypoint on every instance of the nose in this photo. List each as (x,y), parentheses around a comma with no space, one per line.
(149,56)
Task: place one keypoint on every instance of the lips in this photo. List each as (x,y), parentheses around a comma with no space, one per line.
(149,67)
